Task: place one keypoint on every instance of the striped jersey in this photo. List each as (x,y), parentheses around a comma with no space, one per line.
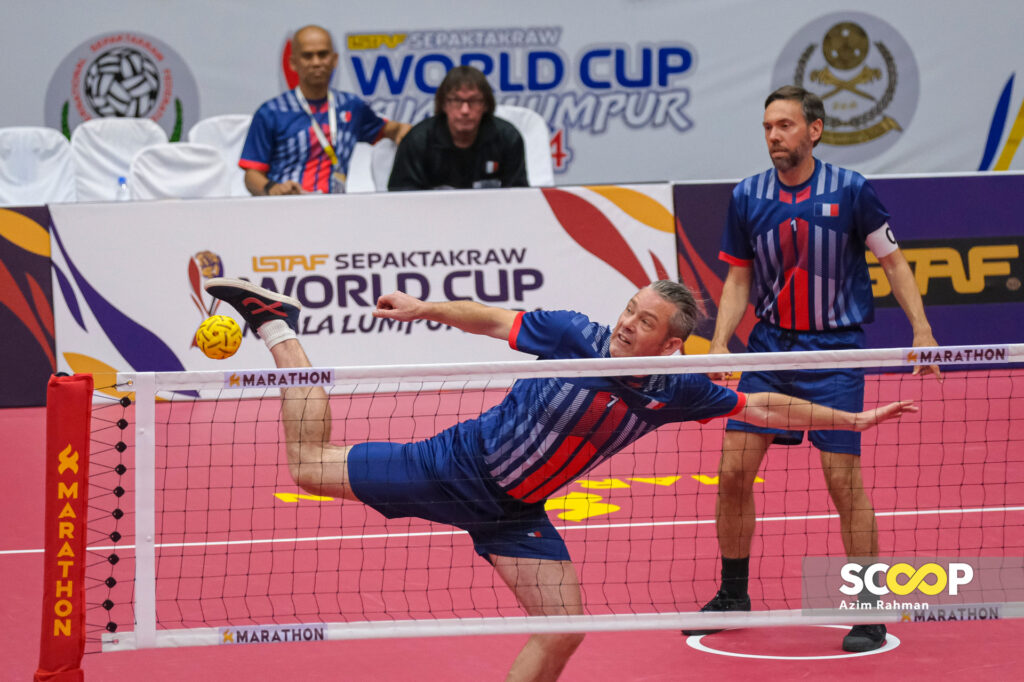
(282,144)
(806,245)
(549,432)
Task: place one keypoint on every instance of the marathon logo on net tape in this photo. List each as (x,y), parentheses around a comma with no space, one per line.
(278,378)
(957,355)
(264,634)
(961,612)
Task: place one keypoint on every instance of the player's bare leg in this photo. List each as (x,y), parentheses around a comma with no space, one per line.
(544,588)
(735,512)
(859,529)
(317,466)
(857,521)
(735,519)
(314,463)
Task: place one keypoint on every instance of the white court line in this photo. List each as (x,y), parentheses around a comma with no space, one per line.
(589,526)
(891,642)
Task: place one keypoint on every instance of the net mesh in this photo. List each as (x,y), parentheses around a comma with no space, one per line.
(237,544)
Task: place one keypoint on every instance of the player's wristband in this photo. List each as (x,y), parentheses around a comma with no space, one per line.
(266,187)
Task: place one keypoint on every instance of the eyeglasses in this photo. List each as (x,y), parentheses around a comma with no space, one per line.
(457,102)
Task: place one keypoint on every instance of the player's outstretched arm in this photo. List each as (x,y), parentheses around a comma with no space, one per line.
(469,316)
(776,410)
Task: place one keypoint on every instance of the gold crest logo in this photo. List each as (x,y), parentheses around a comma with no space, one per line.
(846,48)
(864,73)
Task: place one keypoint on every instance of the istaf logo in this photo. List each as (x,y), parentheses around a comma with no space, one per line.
(123,74)
(202,266)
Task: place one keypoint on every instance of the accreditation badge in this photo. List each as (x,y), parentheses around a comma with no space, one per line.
(338,180)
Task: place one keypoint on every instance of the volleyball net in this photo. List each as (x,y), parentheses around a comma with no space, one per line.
(172,519)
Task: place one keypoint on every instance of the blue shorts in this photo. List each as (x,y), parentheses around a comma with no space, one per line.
(842,389)
(438,480)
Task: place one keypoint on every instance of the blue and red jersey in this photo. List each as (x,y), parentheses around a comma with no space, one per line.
(549,432)
(806,245)
(282,144)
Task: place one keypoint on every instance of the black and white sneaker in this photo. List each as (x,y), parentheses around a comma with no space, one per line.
(864,638)
(256,305)
(721,602)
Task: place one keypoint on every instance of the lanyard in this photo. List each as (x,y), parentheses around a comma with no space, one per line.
(332,121)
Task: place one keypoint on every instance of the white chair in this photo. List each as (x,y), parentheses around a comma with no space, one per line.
(178,170)
(360,179)
(227,134)
(381,160)
(103,149)
(35,167)
(536,139)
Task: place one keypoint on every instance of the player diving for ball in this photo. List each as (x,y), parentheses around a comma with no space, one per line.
(491,475)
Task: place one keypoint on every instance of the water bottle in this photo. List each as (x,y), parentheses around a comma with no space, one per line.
(122,189)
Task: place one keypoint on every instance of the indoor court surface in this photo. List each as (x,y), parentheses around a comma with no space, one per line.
(922,651)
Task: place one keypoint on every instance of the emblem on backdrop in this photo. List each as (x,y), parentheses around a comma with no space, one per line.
(864,72)
(123,74)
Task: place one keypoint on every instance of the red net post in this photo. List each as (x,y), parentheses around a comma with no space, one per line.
(68,415)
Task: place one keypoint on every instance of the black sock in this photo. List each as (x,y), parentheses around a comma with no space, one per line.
(734,576)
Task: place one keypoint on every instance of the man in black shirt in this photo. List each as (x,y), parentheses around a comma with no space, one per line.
(463,145)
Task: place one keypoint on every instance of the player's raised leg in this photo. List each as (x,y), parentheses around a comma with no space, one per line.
(544,588)
(316,465)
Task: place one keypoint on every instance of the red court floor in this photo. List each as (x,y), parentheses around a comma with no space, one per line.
(970,650)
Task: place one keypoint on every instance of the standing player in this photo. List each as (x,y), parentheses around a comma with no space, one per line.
(797,234)
(491,475)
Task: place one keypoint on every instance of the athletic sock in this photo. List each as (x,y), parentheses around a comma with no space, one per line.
(735,573)
(274,332)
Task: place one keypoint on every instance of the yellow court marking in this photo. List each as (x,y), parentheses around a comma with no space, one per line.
(713,480)
(579,506)
(293,498)
(606,484)
(612,483)
(658,480)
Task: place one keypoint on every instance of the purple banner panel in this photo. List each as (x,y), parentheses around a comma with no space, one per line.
(27,351)
(962,235)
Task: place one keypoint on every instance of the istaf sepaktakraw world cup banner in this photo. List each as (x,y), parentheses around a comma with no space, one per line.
(129,277)
(631,91)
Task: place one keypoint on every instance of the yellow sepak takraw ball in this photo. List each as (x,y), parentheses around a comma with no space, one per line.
(219,337)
